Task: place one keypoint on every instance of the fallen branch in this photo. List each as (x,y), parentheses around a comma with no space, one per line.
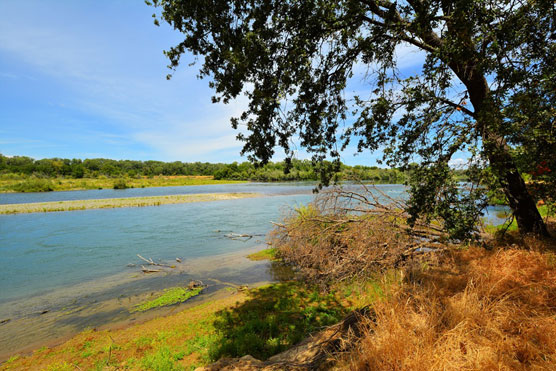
(150,270)
(151,262)
(241,236)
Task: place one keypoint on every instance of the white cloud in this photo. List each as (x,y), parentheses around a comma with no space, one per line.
(136,102)
(458,163)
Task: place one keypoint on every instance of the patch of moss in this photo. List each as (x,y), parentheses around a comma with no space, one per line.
(170,296)
(267,254)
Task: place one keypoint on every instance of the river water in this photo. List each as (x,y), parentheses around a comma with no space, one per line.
(65,271)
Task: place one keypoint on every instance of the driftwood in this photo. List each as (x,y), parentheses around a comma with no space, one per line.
(241,236)
(151,262)
(150,270)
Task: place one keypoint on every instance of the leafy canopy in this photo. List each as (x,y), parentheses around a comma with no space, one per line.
(487,83)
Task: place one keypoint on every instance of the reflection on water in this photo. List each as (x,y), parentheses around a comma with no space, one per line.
(280,271)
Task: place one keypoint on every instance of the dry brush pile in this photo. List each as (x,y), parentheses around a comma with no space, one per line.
(466,308)
(347,234)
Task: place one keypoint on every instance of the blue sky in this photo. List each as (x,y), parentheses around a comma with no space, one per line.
(84,79)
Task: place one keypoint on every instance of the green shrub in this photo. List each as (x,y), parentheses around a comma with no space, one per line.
(33,184)
(120,184)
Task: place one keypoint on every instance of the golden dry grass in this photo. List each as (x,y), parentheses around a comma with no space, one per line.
(478,310)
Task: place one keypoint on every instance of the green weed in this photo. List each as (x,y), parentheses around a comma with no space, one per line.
(267,254)
(161,360)
(170,296)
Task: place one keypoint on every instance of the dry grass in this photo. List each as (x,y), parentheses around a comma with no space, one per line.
(479,310)
(118,202)
(456,308)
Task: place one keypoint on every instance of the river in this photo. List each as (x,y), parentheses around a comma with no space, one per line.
(66,271)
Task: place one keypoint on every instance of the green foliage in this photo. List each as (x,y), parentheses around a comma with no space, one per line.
(120,184)
(435,193)
(33,184)
(487,85)
(170,296)
(273,319)
(162,360)
(297,170)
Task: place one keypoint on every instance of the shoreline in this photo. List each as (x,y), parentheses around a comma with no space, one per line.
(106,203)
(188,316)
(62,314)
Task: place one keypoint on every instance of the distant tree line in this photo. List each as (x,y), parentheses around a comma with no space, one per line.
(273,171)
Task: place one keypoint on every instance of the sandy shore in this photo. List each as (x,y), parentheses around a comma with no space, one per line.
(119,202)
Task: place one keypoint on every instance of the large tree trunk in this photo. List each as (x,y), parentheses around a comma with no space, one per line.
(523,206)
(489,121)
(501,161)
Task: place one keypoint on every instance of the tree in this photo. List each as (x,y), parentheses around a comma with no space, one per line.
(294,60)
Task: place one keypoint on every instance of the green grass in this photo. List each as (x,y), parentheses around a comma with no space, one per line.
(21,183)
(272,320)
(544,210)
(267,254)
(162,360)
(170,296)
(261,322)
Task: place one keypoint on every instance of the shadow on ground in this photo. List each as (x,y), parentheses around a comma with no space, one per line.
(273,319)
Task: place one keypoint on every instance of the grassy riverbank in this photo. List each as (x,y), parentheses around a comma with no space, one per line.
(260,322)
(511,224)
(467,308)
(119,202)
(21,183)
(439,306)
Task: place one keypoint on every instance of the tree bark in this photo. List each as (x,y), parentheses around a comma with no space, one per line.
(497,150)
(522,204)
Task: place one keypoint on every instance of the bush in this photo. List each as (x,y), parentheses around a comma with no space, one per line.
(33,185)
(120,184)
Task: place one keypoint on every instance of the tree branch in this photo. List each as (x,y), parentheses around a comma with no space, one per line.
(459,107)
(403,36)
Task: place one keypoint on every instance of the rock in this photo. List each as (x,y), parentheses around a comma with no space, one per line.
(194,284)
